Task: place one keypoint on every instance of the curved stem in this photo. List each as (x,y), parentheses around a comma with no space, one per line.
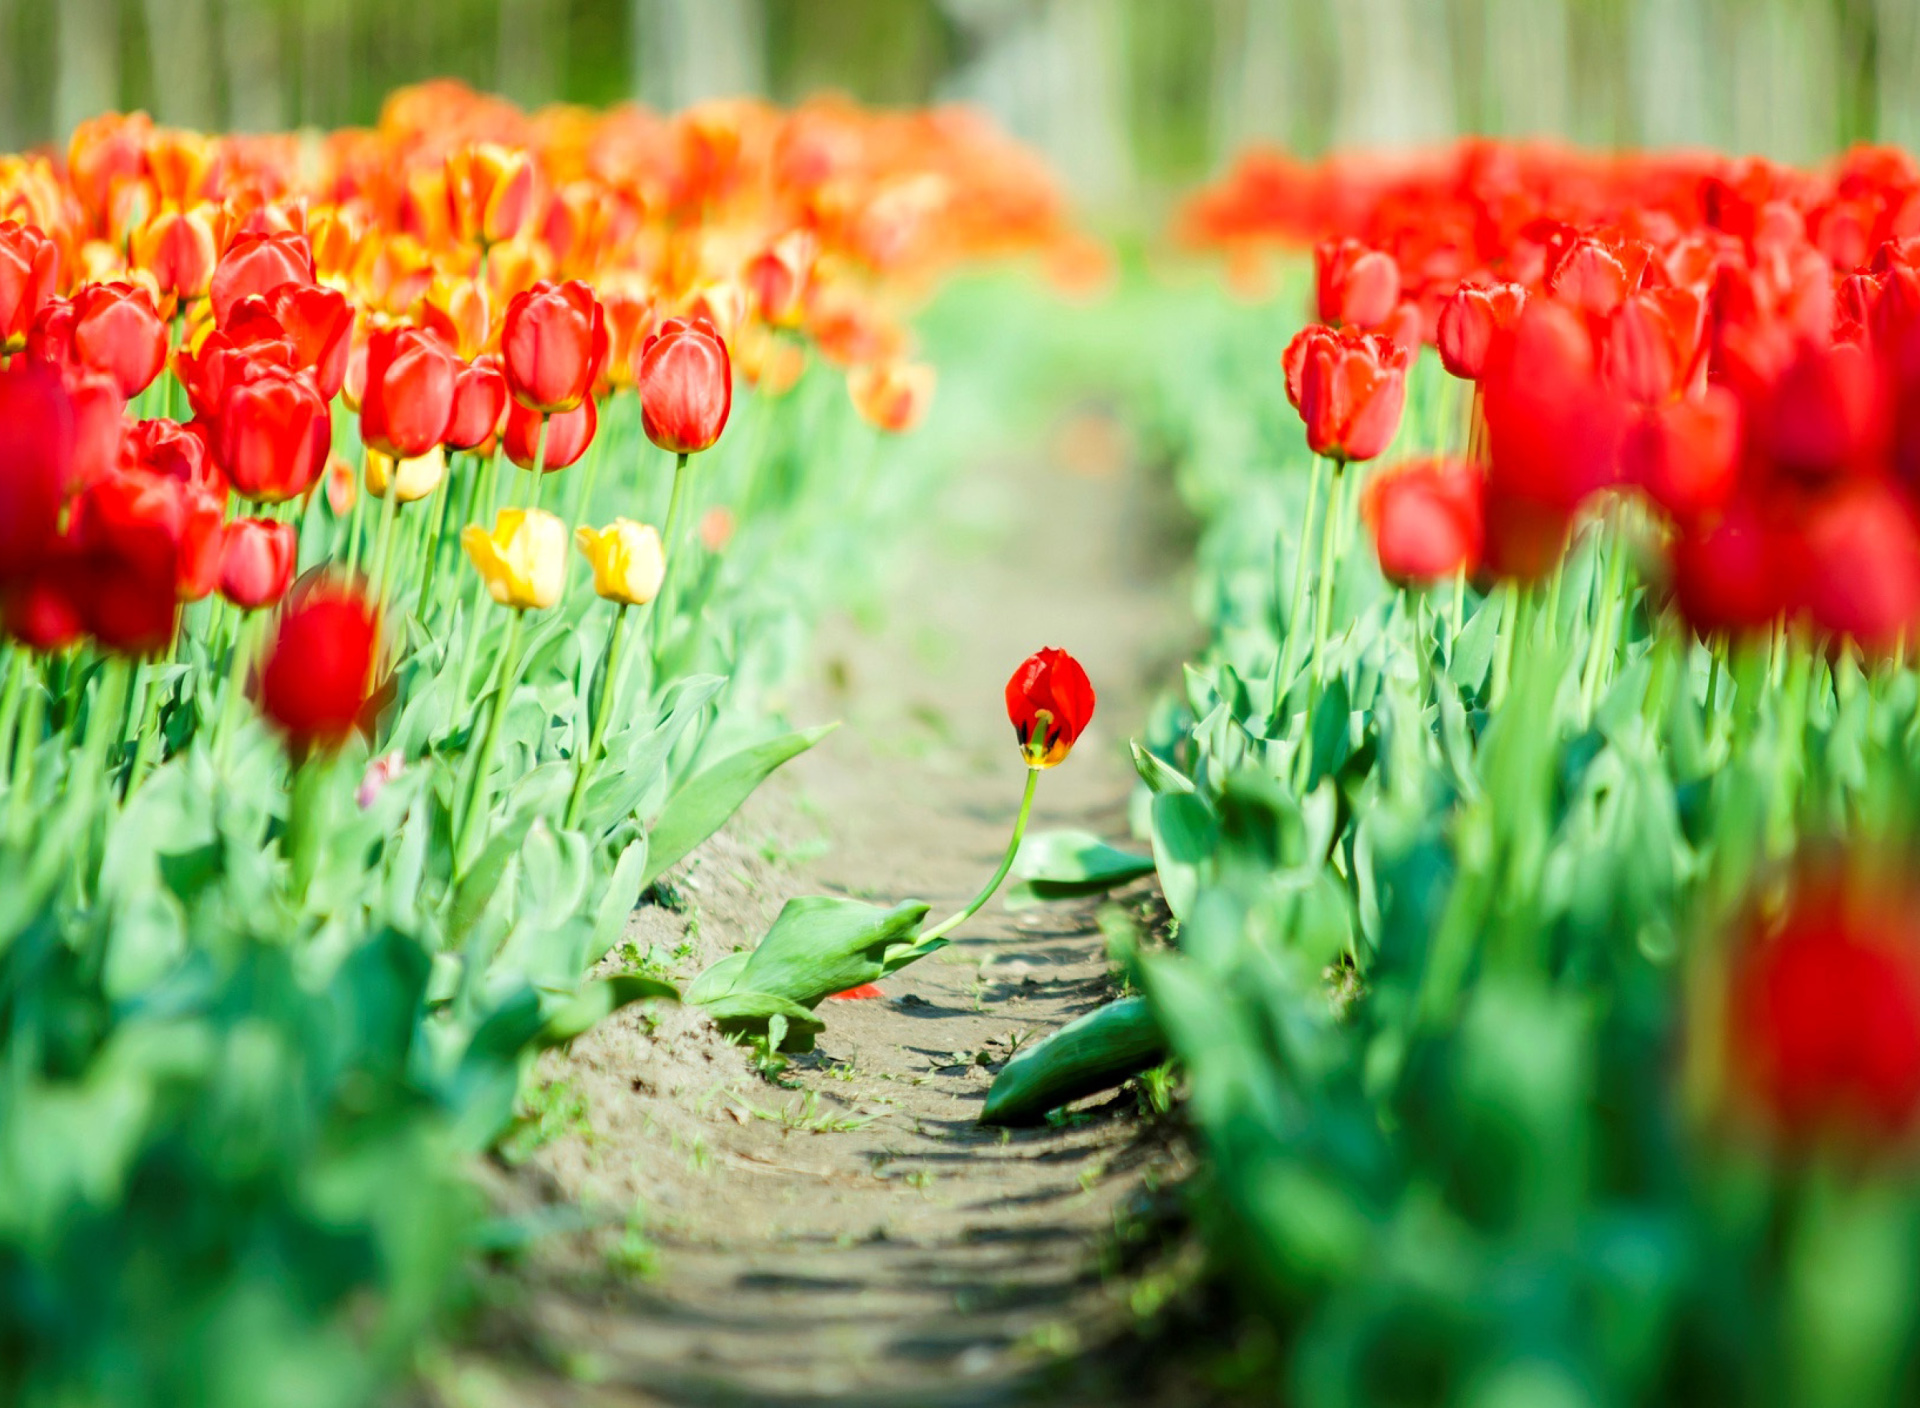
(1323,593)
(947,926)
(589,757)
(1297,603)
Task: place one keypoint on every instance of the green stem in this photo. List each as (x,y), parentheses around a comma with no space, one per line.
(389,514)
(10,706)
(1323,593)
(1503,655)
(26,745)
(436,535)
(947,926)
(483,759)
(236,687)
(301,843)
(143,750)
(357,517)
(539,466)
(588,758)
(1600,645)
(670,547)
(1297,602)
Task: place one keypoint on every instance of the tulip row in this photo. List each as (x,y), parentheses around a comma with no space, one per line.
(1538,826)
(312,835)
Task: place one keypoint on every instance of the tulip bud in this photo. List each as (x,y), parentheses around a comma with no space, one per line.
(568,435)
(273,435)
(892,396)
(258,263)
(1469,322)
(1356,286)
(553,343)
(407,403)
(29,272)
(179,250)
(523,560)
(1349,388)
(36,465)
(314,681)
(686,386)
(256,562)
(628,561)
(1050,702)
(479,401)
(777,278)
(489,192)
(411,479)
(1428,519)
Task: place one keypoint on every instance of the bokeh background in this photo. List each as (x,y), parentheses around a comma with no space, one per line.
(1131,98)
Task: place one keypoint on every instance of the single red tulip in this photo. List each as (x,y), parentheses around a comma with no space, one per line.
(314,680)
(1856,555)
(1428,519)
(29,274)
(273,434)
(1824,1019)
(118,585)
(179,249)
(256,562)
(489,192)
(1356,286)
(258,263)
(1727,572)
(1826,415)
(407,404)
(686,386)
(553,343)
(1685,455)
(121,516)
(98,427)
(1050,702)
(1470,320)
(117,332)
(1349,388)
(479,401)
(777,277)
(568,435)
(317,322)
(1655,345)
(177,451)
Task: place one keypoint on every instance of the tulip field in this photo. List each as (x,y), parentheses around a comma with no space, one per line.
(412,542)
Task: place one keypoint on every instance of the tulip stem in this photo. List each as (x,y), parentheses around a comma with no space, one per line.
(1297,604)
(670,548)
(1329,557)
(947,926)
(1503,655)
(389,513)
(236,686)
(357,518)
(436,532)
(143,748)
(26,744)
(539,466)
(1600,645)
(588,758)
(10,706)
(483,759)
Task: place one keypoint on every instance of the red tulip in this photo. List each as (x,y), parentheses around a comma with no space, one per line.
(777,278)
(1727,573)
(1471,320)
(568,435)
(686,386)
(36,466)
(121,516)
(317,322)
(1349,388)
(892,396)
(177,451)
(1827,414)
(98,427)
(489,192)
(1685,455)
(479,401)
(180,250)
(1654,344)
(1050,702)
(1356,286)
(273,434)
(314,680)
(256,562)
(1594,277)
(29,273)
(1856,563)
(258,263)
(553,343)
(1824,1018)
(1428,519)
(408,400)
(118,332)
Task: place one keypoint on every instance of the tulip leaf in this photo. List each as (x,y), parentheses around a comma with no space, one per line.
(635,759)
(1090,1054)
(1064,865)
(1473,652)
(1160,777)
(822,944)
(599,1000)
(739,1013)
(717,979)
(704,804)
(1185,836)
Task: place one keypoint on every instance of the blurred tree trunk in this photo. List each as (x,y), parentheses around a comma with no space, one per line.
(88,59)
(689,50)
(1525,67)
(250,45)
(1897,72)
(1667,62)
(1395,72)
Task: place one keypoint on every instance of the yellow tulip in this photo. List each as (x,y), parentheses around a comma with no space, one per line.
(415,479)
(523,560)
(628,562)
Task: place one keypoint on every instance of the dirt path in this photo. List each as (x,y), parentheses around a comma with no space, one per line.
(855,1237)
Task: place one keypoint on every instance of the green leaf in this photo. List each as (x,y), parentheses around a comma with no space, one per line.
(600,1000)
(702,807)
(1160,777)
(821,944)
(1185,836)
(1473,652)
(740,1013)
(635,760)
(1061,865)
(621,895)
(717,979)
(1090,1054)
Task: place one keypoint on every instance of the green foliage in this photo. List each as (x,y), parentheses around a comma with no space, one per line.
(1103,1049)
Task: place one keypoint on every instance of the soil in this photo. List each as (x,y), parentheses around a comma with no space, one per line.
(843,1231)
